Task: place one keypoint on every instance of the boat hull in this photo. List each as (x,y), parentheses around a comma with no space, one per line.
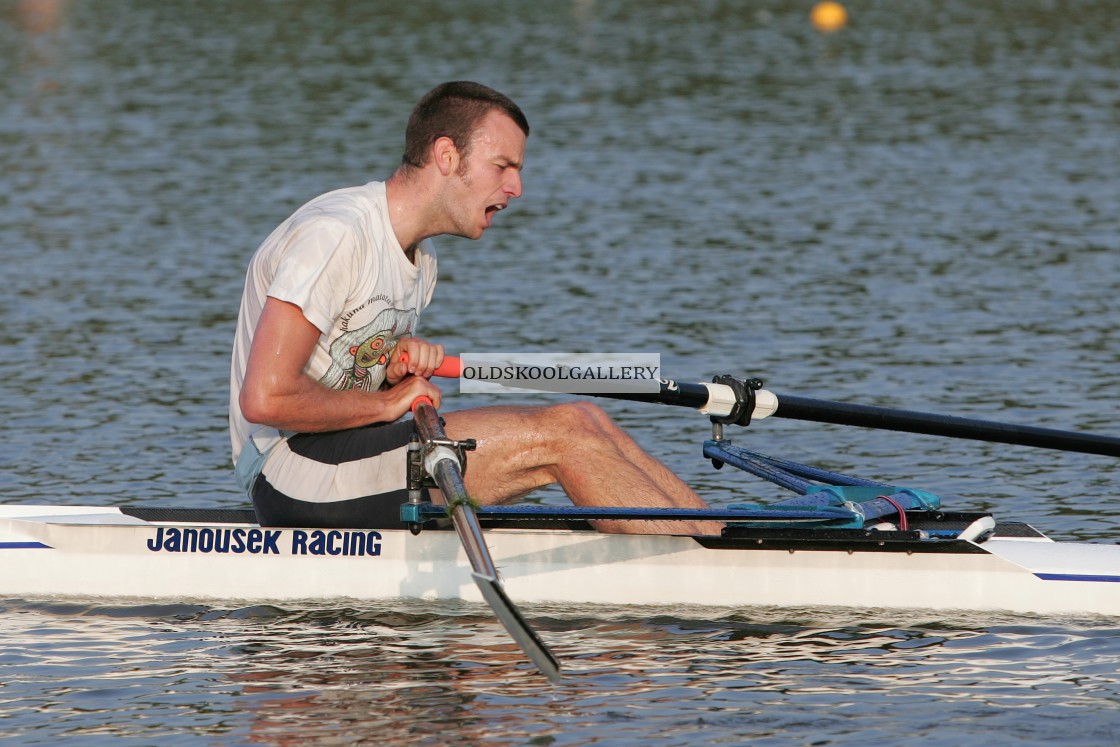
(101,552)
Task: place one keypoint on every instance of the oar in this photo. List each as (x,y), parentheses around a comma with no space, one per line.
(443,465)
(884,418)
(733,401)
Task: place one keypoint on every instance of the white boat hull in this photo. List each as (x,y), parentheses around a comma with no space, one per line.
(101,552)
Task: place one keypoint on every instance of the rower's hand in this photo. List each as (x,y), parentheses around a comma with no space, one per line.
(403,394)
(413,357)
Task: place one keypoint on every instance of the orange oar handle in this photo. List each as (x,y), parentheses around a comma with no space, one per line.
(451,368)
(421,400)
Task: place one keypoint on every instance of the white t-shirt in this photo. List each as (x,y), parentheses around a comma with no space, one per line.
(337,259)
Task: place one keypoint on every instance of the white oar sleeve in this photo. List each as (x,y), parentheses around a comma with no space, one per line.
(721,402)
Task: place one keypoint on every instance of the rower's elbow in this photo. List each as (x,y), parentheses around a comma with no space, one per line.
(256,406)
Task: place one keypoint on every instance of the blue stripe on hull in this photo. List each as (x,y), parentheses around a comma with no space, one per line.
(1077,577)
(23,546)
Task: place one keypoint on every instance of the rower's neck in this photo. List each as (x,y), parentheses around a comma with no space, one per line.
(406,197)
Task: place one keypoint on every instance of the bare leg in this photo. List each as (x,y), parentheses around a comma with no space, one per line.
(578,446)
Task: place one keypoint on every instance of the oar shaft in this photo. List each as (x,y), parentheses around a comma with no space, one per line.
(443,464)
(671,392)
(696,396)
(719,400)
(449,477)
(867,416)
(711,399)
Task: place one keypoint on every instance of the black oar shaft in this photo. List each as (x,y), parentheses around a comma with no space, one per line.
(719,400)
(867,416)
(450,480)
(908,421)
(670,393)
(449,476)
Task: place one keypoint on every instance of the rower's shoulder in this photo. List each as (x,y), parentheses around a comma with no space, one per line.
(340,203)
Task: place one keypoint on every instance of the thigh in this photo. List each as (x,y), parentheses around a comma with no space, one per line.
(514,456)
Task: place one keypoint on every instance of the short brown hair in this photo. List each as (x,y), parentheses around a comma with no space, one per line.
(453,110)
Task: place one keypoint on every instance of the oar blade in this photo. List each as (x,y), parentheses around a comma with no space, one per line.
(517,627)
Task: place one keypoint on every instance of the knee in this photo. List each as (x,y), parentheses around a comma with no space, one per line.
(582,418)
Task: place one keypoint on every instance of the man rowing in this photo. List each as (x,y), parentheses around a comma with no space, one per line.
(326,360)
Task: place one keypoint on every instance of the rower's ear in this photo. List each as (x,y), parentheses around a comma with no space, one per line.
(445,155)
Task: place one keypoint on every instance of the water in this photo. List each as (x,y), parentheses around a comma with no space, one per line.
(919,211)
(416,674)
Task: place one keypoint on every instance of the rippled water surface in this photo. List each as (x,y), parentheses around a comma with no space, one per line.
(918,211)
(412,674)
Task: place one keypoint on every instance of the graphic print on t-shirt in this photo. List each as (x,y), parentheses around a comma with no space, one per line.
(359,356)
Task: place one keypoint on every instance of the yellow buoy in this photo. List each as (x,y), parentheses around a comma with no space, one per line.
(828,16)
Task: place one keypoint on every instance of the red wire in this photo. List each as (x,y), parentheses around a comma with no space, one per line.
(903,524)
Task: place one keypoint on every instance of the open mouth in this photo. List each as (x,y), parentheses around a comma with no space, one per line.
(491,211)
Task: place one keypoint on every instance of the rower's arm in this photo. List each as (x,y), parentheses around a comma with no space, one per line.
(277,392)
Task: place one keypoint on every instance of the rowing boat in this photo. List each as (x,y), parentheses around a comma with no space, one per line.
(846,545)
(222,554)
(842,541)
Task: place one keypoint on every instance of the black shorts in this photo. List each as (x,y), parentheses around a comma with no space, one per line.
(350,479)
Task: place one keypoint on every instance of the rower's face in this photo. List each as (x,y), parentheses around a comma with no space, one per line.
(490,176)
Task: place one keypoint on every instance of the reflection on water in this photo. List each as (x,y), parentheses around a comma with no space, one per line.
(412,671)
